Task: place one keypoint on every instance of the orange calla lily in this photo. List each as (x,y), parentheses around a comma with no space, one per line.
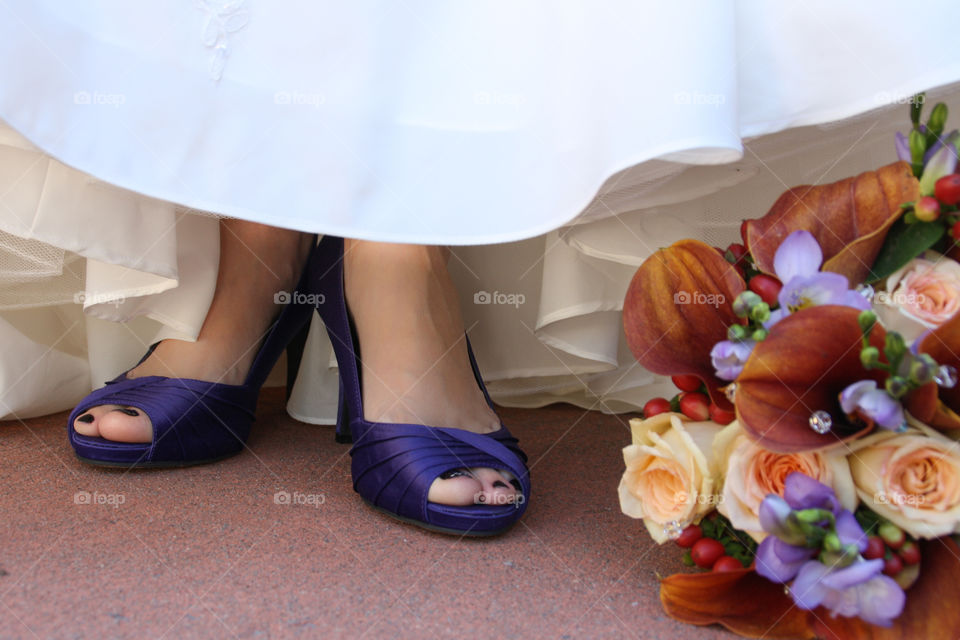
(741,601)
(940,410)
(677,307)
(849,219)
(807,359)
(750,605)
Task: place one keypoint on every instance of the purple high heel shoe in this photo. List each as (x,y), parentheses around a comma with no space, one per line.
(393,465)
(195,422)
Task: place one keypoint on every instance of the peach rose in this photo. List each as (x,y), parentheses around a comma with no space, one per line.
(669,476)
(751,472)
(911,479)
(922,295)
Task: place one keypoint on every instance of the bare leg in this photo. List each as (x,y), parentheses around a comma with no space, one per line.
(414,354)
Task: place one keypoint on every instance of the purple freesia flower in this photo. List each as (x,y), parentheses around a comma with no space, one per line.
(803,492)
(797,265)
(851,586)
(728,357)
(903,147)
(778,561)
(876,404)
(859,589)
(940,160)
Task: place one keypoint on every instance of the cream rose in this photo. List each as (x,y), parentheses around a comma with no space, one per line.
(669,476)
(750,472)
(911,479)
(922,295)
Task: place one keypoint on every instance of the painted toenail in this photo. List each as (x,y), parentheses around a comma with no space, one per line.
(456,473)
(130,412)
(86,418)
(499,484)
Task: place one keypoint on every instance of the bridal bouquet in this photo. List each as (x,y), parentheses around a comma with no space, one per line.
(809,465)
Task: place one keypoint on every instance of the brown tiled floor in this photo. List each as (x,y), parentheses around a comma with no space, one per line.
(206,552)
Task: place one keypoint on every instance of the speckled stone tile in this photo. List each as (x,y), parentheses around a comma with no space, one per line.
(211,552)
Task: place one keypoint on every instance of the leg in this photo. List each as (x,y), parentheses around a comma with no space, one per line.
(415,366)
(256,261)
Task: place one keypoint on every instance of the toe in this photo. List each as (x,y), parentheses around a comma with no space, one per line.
(475,486)
(497,487)
(125,424)
(458,489)
(88,422)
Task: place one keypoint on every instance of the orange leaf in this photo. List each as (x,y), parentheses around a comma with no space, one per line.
(849,219)
(677,307)
(928,612)
(741,601)
(807,359)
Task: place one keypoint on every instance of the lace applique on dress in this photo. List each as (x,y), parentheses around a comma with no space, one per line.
(223,18)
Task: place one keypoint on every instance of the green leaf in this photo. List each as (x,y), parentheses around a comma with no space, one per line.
(903,243)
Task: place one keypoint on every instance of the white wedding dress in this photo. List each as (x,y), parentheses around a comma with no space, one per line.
(555,144)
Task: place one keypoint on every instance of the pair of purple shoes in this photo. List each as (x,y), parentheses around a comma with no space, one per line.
(393,465)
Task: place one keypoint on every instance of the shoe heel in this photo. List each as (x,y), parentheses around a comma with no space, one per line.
(343,435)
(295,356)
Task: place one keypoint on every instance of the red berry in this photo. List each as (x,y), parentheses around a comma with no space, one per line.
(892,565)
(727,563)
(721,416)
(876,548)
(705,552)
(909,552)
(927,209)
(689,536)
(955,231)
(947,189)
(767,287)
(687,382)
(738,251)
(695,405)
(655,406)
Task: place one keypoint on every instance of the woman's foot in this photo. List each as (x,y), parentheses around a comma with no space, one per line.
(256,261)
(415,367)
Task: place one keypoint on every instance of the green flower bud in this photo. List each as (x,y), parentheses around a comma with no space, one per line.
(918,147)
(894,347)
(869,357)
(867,320)
(896,386)
(759,335)
(938,119)
(921,372)
(760,312)
(737,333)
(916,108)
(745,302)
(831,542)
